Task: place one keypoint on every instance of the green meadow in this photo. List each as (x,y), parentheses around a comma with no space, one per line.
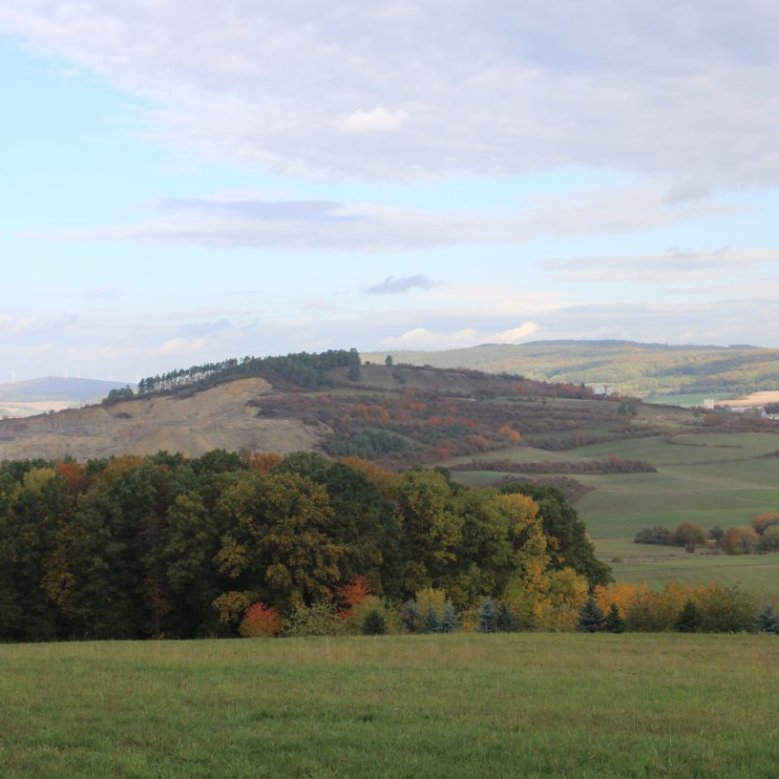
(712,479)
(462,705)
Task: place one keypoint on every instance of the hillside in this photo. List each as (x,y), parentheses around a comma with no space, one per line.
(398,416)
(650,371)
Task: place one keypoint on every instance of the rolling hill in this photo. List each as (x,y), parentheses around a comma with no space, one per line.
(658,372)
(57,388)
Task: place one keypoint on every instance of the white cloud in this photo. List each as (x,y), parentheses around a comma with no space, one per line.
(493,87)
(421,338)
(377,120)
(180,347)
(225,220)
(673,268)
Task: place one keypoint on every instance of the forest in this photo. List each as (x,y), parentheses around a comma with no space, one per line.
(165,546)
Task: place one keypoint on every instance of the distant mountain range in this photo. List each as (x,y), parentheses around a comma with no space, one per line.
(57,388)
(651,371)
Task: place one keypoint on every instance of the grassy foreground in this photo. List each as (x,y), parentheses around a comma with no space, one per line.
(526,705)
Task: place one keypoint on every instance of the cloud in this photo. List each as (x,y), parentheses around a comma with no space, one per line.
(176,347)
(672,268)
(230,220)
(422,338)
(377,120)
(493,88)
(198,329)
(393,285)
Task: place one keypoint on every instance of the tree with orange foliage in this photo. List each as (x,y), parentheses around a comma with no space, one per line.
(260,621)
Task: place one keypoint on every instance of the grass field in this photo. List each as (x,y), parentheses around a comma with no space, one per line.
(712,479)
(523,705)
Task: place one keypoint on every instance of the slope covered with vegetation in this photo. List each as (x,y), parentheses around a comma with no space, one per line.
(644,370)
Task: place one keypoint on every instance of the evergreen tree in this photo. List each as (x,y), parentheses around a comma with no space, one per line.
(487,620)
(449,621)
(614,622)
(410,617)
(432,622)
(507,622)
(689,619)
(591,618)
(767,621)
(374,624)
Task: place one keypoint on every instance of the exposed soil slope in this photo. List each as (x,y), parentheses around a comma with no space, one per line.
(215,418)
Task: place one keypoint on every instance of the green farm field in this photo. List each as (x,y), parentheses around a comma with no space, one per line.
(709,478)
(462,705)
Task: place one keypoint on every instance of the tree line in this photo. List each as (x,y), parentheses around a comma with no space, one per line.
(163,545)
(301,369)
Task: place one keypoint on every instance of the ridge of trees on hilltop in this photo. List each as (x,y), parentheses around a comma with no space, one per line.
(301,368)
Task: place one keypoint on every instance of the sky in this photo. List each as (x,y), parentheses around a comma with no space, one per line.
(184,181)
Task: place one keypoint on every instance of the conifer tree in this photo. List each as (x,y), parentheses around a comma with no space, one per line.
(487,620)
(614,622)
(591,618)
(411,617)
(689,619)
(432,622)
(374,624)
(449,621)
(767,621)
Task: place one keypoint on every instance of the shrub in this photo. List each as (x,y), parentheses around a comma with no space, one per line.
(769,540)
(260,621)
(318,619)
(727,610)
(661,536)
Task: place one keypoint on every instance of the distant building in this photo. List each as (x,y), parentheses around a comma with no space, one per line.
(708,404)
(601,390)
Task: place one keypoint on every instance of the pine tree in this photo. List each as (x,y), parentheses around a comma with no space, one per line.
(411,617)
(767,621)
(487,620)
(591,618)
(432,622)
(614,622)
(449,621)
(374,624)
(689,619)
(507,623)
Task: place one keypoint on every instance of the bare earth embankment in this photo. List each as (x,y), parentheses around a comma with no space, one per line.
(218,418)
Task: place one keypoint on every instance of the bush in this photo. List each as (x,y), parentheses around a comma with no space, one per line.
(727,610)
(260,621)
(318,619)
(660,536)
